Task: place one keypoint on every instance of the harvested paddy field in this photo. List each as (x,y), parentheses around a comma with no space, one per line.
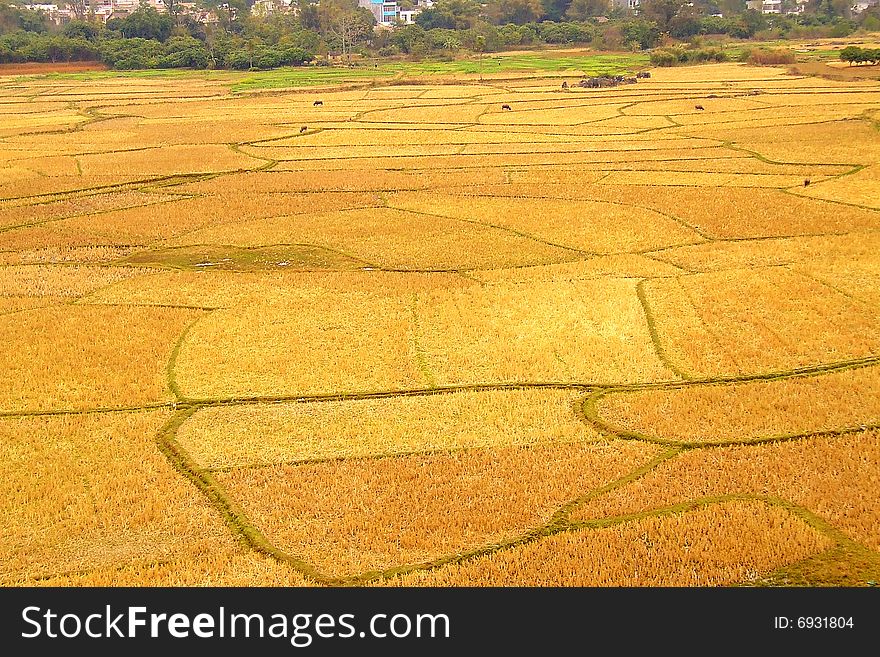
(408,337)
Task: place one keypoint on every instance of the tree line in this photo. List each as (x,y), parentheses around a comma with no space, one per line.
(240,39)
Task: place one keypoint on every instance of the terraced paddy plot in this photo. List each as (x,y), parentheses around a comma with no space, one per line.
(756,321)
(382,175)
(16,304)
(61,281)
(858,277)
(90,491)
(396,239)
(397,135)
(490,167)
(81,357)
(454,114)
(618,266)
(588,226)
(172,217)
(573,115)
(725,544)
(589,331)
(32,186)
(227,437)
(289,153)
(853,141)
(40,122)
(833,477)
(684,107)
(810,255)
(711,180)
(24,213)
(218,288)
(349,517)
(858,188)
(166,161)
(309,342)
(224,567)
(743,412)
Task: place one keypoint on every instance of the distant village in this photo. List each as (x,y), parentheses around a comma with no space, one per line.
(388,13)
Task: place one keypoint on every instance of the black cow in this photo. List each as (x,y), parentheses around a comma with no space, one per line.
(699,107)
(505,107)
(303,129)
(317,102)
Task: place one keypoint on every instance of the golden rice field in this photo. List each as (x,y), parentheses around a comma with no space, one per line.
(410,338)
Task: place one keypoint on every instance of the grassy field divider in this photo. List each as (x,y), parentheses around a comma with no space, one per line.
(655,336)
(235,518)
(591,413)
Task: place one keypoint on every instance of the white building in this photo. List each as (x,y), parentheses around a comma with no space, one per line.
(776,6)
(862,5)
(388,13)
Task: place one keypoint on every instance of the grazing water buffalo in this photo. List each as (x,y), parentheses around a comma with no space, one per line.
(505,107)
(317,102)
(606,81)
(699,107)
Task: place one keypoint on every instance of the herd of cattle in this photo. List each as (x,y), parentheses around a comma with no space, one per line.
(611,80)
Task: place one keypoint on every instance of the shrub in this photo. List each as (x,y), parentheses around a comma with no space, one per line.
(767,57)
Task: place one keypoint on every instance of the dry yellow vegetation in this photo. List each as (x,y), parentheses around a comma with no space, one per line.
(834,477)
(305,342)
(88,491)
(750,321)
(589,226)
(580,331)
(748,411)
(352,516)
(394,239)
(826,255)
(224,437)
(223,567)
(81,357)
(167,240)
(722,544)
(62,281)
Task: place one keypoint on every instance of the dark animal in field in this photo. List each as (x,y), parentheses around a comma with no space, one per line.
(605,81)
(699,107)
(806,182)
(317,102)
(505,107)
(643,74)
(303,129)
(565,84)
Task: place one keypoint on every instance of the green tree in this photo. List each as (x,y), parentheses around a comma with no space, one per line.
(344,21)
(661,12)
(518,12)
(581,10)
(555,10)
(450,14)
